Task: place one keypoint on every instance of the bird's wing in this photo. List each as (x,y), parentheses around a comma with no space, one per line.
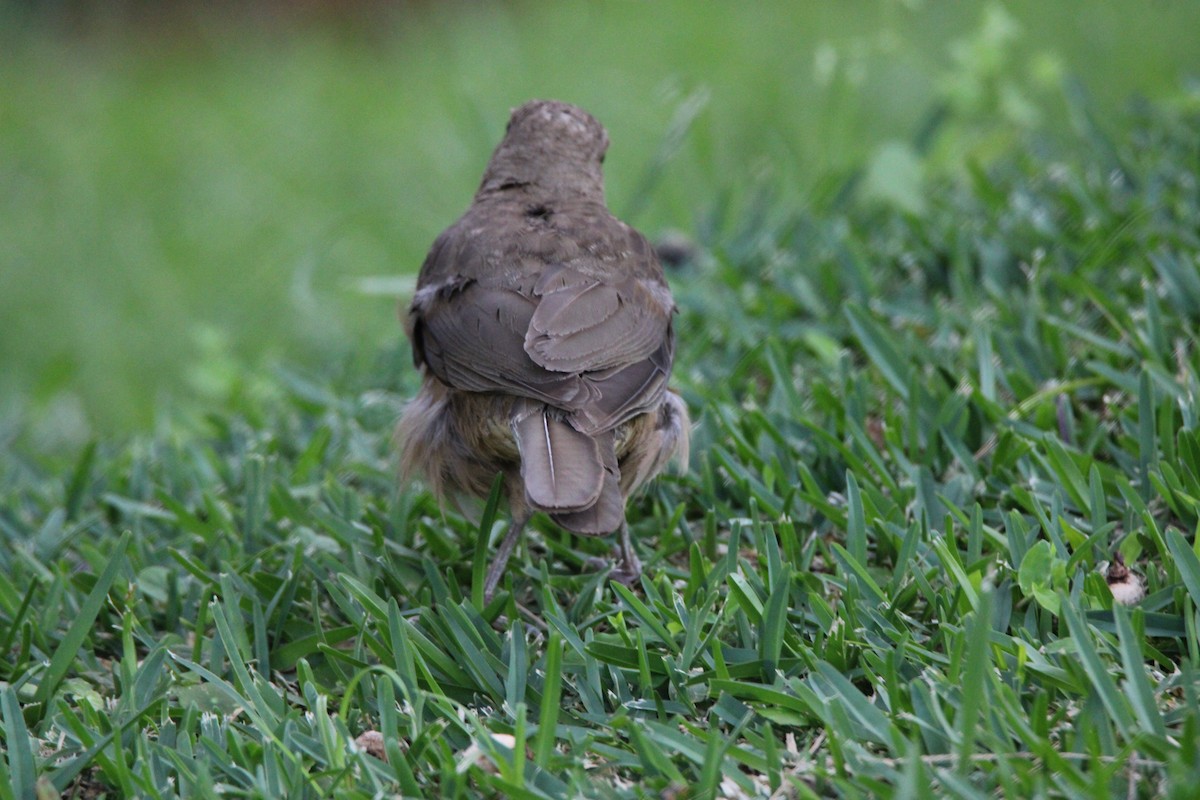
(621,393)
(597,348)
(584,323)
(472,338)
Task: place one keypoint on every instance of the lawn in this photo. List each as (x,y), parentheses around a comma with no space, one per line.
(937,334)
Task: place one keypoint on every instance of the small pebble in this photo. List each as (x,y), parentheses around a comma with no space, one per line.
(372,742)
(1127,588)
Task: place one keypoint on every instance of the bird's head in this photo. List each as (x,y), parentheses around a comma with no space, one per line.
(552,146)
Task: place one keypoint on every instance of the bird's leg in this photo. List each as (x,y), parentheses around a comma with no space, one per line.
(496,571)
(628,568)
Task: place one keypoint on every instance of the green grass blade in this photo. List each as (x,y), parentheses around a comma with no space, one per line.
(1098,674)
(774,626)
(479,564)
(879,348)
(856,525)
(1186,562)
(846,697)
(644,614)
(22,769)
(79,481)
(543,748)
(81,626)
(974,678)
(858,570)
(1137,683)
(518,667)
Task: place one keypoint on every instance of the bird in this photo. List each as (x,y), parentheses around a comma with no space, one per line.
(542,327)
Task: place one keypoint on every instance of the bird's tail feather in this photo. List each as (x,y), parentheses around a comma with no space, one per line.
(608,512)
(571,475)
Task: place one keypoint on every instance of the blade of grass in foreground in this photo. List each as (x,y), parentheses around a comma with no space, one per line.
(974,681)
(551,695)
(1137,684)
(22,771)
(480,564)
(68,648)
(1186,562)
(1097,673)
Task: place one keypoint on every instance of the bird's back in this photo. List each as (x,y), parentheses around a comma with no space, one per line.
(543,324)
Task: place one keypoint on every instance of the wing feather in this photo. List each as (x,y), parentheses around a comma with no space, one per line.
(582,323)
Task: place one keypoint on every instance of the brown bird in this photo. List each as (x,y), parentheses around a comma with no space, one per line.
(542,326)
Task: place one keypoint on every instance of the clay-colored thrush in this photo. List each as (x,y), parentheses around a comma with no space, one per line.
(542,325)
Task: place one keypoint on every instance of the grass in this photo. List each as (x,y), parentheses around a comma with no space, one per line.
(919,437)
(930,406)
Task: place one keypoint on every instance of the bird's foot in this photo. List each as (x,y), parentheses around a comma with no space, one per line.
(623,571)
(595,563)
(626,573)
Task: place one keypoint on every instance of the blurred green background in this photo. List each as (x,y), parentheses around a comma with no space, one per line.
(189,196)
